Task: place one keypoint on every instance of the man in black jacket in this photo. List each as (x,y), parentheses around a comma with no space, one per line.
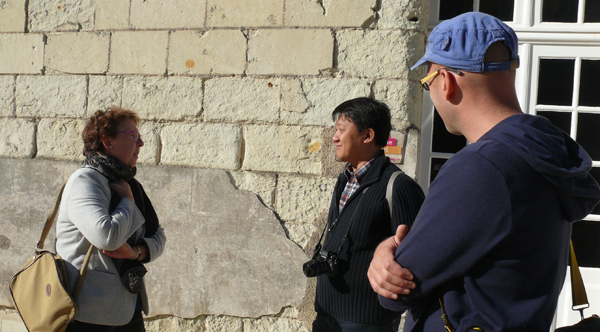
(359,219)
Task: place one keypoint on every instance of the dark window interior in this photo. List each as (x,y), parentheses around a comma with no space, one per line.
(592,11)
(555,85)
(595,172)
(436,164)
(585,242)
(589,92)
(442,140)
(588,134)
(564,11)
(451,8)
(502,9)
(560,119)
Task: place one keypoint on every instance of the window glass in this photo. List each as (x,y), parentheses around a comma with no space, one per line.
(585,242)
(443,141)
(451,8)
(560,119)
(589,92)
(555,82)
(502,9)
(595,172)
(436,165)
(588,135)
(592,11)
(560,11)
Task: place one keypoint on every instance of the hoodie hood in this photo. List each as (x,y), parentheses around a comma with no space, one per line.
(556,156)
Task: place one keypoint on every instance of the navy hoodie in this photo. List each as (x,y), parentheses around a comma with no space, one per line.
(492,236)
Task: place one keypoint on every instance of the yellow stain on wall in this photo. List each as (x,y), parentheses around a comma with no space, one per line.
(190,63)
(314,147)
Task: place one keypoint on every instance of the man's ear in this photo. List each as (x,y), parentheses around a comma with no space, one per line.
(448,84)
(369,135)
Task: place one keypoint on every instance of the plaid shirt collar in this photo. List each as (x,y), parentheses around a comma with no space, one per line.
(354,180)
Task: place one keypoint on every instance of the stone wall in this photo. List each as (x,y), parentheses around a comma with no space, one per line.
(235,98)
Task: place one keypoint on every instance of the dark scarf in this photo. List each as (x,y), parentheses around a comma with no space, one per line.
(131,271)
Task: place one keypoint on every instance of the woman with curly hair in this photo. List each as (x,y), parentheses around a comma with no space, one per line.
(105,206)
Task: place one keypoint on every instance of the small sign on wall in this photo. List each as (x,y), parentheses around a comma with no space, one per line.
(395,147)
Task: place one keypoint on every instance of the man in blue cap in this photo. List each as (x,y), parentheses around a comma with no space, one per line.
(489,246)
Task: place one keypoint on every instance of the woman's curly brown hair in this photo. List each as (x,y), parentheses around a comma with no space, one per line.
(105,123)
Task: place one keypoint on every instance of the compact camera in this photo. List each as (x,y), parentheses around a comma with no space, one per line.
(323,262)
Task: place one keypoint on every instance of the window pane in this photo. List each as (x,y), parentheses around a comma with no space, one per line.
(442,140)
(589,93)
(585,242)
(502,9)
(436,164)
(560,11)
(595,172)
(451,8)
(560,119)
(592,11)
(588,134)
(555,82)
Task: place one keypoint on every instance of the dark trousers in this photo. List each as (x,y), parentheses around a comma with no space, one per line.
(329,324)
(135,325)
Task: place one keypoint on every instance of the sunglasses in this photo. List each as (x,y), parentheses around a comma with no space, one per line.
(134,134)
(425,81)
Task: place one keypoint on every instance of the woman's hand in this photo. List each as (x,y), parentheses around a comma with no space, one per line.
(123,252)
(122,189)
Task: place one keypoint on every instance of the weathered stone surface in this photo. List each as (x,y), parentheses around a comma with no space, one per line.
(150,152)
(232,99)
(60,139)
(330,13)
(379,53)
(404,14)
(299,233)
(223,324)
(21,53)
(78,53)
(7,96)
(247,13)
(157,14)
(262,184)
(51,96)
(17,138)
(405,100)
(61,15)
(272,52)
(103,92)
(12,17)
(226,254)
(282,149)
(138,52)
(157,97)
(12,326)
(213,52)
(201,145)
(28,189)
(301,199)
(175,324)
(271,324)
(312,101)
(111,15)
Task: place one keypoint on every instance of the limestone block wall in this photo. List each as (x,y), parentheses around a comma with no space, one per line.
(236,91)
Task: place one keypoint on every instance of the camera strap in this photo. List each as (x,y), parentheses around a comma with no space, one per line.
(319,246)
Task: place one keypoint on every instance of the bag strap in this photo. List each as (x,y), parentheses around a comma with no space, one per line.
(580,300)
(48,226)
(389,192)
(578,293)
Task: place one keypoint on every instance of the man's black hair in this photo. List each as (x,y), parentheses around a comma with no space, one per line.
(367,113)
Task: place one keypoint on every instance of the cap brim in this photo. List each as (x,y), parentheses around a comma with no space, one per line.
(419,63)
